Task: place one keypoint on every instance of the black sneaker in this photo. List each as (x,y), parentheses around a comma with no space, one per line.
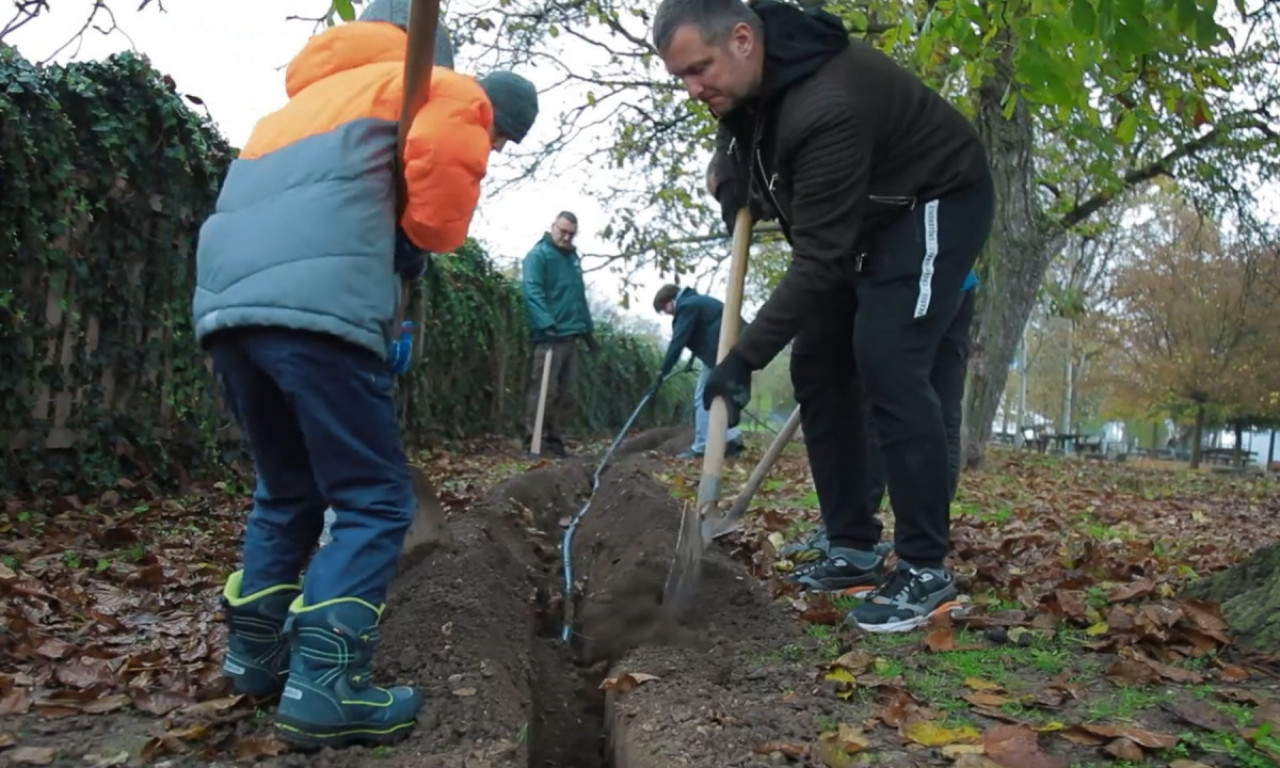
(906,601)
(734,447)
(850,571)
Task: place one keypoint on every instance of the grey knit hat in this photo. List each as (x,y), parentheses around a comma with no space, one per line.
(515,103)
(397,12)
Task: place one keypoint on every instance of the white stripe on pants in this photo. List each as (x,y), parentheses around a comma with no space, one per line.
(930,256)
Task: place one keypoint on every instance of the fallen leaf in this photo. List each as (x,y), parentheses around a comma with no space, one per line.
(1234,674)
(1131,674)
(1199,714)
(105,704)
(843,681)
(98,761)
(6,573)
(7,740)
(84,674)
(1132,590)
(789,748)
(1207,617)
(53,648)
(940,639)
(1241,695)
(159,703)
(976,761)
(952,751)
(985,699)
(31,756)
(1187,764)
(978,684)
(15,702)
(1124,749)
(1167,671)
(1017,746)
(252,747)
(851,739)
(193,732)
(856,662)
(1142,738)
(466,692)
(933,734)
(212,706)
(626,682)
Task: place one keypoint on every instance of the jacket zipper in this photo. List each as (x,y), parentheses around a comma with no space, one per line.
(764,174)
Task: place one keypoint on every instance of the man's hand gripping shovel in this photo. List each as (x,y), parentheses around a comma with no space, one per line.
(429,523)
(698,525)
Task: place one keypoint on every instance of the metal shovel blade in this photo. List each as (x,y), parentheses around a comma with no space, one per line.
(429,529)
(715,527)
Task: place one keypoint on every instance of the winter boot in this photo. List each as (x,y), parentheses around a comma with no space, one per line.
(257,659)
(329,700)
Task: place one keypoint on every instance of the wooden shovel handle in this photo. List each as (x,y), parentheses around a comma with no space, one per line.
(713,457)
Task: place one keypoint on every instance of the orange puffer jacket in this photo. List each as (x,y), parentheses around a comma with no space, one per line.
(303,234)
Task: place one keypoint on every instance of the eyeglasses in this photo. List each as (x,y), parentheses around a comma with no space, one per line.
(569,234)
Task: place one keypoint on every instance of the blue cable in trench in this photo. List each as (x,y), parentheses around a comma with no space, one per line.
(566,544)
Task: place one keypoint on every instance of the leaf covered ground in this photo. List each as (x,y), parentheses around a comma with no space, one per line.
(1076,650)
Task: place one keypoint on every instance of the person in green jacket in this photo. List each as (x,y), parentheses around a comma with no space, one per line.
(556,299)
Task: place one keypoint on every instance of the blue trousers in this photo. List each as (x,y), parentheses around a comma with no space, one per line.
(320,420)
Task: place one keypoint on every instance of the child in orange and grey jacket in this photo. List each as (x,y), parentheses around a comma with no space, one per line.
(299,271)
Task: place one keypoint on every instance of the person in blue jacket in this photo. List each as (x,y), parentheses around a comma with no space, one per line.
(695,325)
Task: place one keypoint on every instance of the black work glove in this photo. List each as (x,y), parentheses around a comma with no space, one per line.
(730,379)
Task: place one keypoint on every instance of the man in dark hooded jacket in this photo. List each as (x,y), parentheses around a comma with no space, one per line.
(883,190)
(695,325)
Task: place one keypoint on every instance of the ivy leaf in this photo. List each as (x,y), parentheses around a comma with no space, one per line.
(1127,128)
(345,11)
(1083,16)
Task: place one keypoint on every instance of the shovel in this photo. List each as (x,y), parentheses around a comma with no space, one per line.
(715,527)
(682,579)
(428,527)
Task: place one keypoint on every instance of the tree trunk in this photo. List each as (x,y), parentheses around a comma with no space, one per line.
(1067,415)
(1271,450)
(1238,459)
(1017,255)
(1196,436)
(1250,598)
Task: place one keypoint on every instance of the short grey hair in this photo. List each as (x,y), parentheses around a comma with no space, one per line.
(715,19)
(567,216)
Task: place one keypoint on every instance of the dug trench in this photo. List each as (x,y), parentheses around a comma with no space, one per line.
(477,625)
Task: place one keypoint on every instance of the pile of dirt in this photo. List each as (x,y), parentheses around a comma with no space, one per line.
(664,440)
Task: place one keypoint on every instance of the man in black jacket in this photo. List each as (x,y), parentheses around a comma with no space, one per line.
(695,325)
(883,190)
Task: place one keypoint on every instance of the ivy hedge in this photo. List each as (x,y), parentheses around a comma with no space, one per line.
(105,177)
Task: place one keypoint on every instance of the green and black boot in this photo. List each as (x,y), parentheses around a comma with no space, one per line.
(329,700)
(257,659)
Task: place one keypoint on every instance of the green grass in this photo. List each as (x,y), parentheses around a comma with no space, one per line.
(1124,703)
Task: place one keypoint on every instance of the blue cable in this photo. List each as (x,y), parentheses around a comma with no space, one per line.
(566,544)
